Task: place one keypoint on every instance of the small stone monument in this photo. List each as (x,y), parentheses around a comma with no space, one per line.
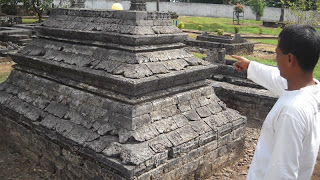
(114,95)
(233,44)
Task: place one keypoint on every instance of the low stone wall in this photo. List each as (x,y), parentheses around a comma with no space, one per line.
(253,103)
(10,20)
(274,24)
(246,48)
(240,93)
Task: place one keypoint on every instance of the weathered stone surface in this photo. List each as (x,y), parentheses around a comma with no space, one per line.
(114,95)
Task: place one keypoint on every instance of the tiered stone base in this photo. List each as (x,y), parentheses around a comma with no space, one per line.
(68,164)
(185,135)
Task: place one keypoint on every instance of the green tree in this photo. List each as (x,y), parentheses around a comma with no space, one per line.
(9,6)
(37,6)
(257,6)
(303,12)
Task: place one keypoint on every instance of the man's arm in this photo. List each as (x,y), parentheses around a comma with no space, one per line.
(266,76)
(284,163)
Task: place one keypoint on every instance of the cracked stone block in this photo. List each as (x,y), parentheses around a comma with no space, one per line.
(203,101)
(57,109)
(214,107)
(74,117)
(216,120)
(181,135)
(160,143)
(36,114)
(100,144)
(183,148)
(137,71)
(192,115)
(225,129)
(81,135)
(200,127)
(49,121)
(203,112)
(145,133)
(163,103)
(194,103)
(185,106)
(231,114)
(184,97)
(64,127)
(135,153)
(165,125)
(180,120)
(207,137)
(141,109)
(113,150)
(157,68)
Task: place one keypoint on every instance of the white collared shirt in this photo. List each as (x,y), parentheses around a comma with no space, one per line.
(290,136)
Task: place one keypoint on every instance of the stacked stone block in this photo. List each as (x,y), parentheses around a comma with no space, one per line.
(90,108)
(233,45)
(240,93)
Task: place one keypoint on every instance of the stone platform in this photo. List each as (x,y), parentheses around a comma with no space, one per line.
(114,95)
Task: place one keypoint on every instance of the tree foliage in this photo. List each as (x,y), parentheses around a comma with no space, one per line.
(9,6)
(300,12)
(257,6)
(37,6)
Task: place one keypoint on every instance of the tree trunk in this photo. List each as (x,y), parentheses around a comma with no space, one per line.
(282,14)
(40,17)
(258,17)
(238,17)
(158,9)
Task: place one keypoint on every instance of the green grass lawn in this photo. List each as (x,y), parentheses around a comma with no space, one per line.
(316,72)
(248,27)
(266,41)
(30,21)
(212,24)
(4,76)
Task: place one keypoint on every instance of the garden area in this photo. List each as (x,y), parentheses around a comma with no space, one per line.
(15,166)
(264,50)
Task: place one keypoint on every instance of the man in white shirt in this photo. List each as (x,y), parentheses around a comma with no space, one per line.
(290,136)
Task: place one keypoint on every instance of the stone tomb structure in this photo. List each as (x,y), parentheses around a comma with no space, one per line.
(114,95)
(233,45)
(240,93)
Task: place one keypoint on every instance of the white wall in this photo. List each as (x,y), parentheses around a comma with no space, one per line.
(192,9)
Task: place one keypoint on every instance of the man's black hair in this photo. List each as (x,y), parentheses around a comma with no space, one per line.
(303,41)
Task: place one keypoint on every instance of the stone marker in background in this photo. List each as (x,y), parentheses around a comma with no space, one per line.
(233,45)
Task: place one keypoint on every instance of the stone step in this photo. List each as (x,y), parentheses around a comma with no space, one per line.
(23,42)
(15,38)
